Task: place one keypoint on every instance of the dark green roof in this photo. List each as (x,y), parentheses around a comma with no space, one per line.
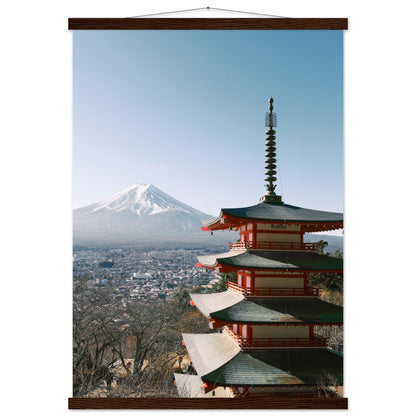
(265,211)
(274,260)
(279,367)
(281,310)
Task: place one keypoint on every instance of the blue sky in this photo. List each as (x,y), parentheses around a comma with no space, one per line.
(184,110)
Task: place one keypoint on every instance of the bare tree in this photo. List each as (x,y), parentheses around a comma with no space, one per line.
(320,245)
(128,347)
(334,336)
(96,333)
(329,386)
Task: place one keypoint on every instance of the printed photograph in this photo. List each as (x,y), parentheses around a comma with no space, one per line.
(208,173)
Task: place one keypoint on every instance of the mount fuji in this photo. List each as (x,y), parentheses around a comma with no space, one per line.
(140,214)
(144,215)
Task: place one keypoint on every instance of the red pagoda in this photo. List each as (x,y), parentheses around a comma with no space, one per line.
(265,343)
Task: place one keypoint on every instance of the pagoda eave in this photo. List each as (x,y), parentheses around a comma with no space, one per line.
(216,323)
(275,213)
(275,311)
(228,269)
(234,223)
(212,302)
(224,308)
(276,260)
(283,367)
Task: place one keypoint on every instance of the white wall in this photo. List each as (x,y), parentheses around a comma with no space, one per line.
(278,282)
(279,237)
(278,227)
(280,331)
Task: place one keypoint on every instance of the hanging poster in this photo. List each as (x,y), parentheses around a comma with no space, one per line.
(208,213)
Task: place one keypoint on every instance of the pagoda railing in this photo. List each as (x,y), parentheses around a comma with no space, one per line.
(283,342)
(235,337)
(271,245)
(264,343)
(273,291)
(235,288)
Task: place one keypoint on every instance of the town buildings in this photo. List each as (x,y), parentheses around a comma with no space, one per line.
(142,273)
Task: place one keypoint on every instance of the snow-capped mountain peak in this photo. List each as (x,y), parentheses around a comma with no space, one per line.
(142,199)
(141,212)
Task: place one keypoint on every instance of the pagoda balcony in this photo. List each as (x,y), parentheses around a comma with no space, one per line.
(266,343)
(271,245)
(273,291)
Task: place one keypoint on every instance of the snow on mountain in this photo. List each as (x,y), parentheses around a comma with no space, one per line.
(139,213)
(145,214)
(142,199)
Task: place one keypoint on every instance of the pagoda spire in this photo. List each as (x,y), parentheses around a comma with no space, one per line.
(270,166)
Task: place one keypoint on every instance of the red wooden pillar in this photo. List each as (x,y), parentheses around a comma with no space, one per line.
(249,333)
(253,280)
(246,280)
(311,332)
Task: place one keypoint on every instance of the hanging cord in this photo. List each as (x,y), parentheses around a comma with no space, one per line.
(207,8)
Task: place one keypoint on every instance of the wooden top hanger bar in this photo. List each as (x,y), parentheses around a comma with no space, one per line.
(207,23)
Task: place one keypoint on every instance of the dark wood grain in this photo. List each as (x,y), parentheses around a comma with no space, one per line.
(210,403)
(207,24)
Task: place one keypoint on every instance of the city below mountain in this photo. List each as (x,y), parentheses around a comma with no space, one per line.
(144,215)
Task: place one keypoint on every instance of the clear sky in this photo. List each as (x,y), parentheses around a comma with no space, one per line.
(184,110)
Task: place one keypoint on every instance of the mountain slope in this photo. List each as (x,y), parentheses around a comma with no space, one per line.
(139,213)
(145,214)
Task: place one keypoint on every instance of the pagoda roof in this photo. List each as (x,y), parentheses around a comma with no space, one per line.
(209,351)
(280,367)
(277,212)
(219,361)
(287,260)
(208,303)
(281,310)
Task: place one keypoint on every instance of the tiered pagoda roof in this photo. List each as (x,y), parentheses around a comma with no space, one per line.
(211,357)
(215,301)
(281,310)
(274,260)
(267,311)
(280,367)
(210,351)
(310,219)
